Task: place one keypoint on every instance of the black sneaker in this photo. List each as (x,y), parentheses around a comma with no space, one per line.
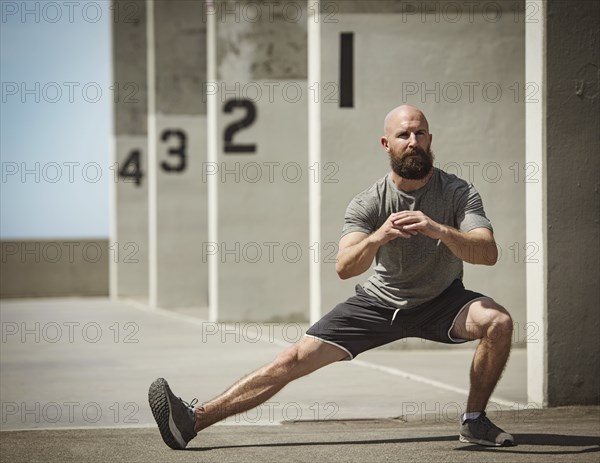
(483,432)
(175,418)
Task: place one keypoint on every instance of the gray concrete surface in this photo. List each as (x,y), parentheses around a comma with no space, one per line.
(180,126)
(75,373)
(181,211)
(261,249)
(572,175)
(129,232)
(556,435)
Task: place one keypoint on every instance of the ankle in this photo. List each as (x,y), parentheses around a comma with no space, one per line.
(199,413)
(470,416)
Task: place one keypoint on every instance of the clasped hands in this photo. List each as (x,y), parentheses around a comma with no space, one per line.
(406,224)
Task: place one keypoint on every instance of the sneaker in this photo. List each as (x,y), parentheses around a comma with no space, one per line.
(175,418)
(483,432)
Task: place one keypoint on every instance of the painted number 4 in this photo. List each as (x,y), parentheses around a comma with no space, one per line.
(131,168)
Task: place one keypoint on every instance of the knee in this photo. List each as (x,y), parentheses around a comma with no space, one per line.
(286,361)
(500,327)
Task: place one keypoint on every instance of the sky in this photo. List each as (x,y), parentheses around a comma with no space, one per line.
(55,119)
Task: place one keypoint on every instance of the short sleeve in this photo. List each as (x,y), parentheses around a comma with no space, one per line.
(469,211)
(359,217)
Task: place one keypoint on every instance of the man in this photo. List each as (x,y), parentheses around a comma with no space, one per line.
(419,224)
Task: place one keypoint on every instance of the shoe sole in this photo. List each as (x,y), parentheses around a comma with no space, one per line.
(161,410)
(487,443)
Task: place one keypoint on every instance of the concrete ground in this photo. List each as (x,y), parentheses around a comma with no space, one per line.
(75,374)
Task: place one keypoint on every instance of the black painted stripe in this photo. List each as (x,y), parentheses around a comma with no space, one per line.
(347,70)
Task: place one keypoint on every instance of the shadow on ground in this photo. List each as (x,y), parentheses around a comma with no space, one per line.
(551,440)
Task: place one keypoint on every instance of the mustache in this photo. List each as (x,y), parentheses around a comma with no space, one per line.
(416,150)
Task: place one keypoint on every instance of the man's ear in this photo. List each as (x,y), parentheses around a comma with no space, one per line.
(384,143)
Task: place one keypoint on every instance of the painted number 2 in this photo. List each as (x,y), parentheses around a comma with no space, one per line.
(236,126)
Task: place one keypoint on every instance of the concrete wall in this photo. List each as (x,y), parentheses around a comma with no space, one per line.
(54,268)
(263,224)
(181,195)
(263,249)
(263,192)
(129,227)
(467,74)
(572,201)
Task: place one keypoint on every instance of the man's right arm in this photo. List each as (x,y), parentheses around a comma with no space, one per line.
(357,249)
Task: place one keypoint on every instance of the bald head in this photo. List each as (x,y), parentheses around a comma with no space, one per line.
(408,142)
(400,115)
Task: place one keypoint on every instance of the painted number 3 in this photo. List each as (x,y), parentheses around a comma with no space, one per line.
(178,151)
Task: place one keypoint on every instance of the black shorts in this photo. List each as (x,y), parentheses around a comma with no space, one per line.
(364,322)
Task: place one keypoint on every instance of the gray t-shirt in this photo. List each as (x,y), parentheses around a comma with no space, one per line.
(411,271)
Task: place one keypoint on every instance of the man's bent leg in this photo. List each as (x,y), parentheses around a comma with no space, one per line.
(304,357)
(486,320)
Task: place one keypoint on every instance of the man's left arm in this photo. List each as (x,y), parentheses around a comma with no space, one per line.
(476,246)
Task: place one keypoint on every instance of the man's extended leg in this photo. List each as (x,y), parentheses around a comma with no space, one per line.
(304,357)
(179,422)
(488,321)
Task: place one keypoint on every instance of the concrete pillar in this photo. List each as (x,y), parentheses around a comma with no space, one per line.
(464,66)
(262,171)
(572,141)
(536,210)
(129,190)
(314,155)
(178,199)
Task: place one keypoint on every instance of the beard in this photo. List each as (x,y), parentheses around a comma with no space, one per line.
(414,165)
